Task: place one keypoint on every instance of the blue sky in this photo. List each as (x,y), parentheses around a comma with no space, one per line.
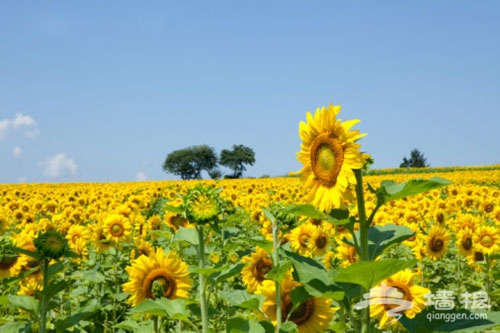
(102,91)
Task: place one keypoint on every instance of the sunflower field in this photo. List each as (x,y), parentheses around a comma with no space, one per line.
(334,250)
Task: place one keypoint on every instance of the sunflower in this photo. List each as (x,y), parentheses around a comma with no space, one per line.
(76,234)
(486,240)
(320,240)
(328,153)
(300,239)
(117,228)
(397,288)
(347,254)
(99,239)
(254,274)
(464,242)
(437,242)
(312,315)
(160,275)
(11,262)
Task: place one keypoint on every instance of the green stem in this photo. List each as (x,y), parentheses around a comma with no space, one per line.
(155,324)
(45,300)
(276,258)
(363,223)
(202,279)
(363,240)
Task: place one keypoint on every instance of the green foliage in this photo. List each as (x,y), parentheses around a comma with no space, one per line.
(188,163)
(416,160)
(236,159)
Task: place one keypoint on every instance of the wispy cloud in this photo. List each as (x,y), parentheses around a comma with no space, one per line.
(58,166)
(17,152)
(20,121)
(140,176)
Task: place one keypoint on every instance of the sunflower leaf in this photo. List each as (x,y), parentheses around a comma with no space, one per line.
(382,237)
(336,216)
(189,235)
(369,273)
(26,303)
(242,325)
(390,190)
(243,299)
(278,273)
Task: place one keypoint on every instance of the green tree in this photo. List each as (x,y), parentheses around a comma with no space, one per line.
(236,159)
(188,163)
(416,160)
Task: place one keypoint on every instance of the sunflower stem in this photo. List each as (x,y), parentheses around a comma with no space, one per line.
(363,240)
(363,223)
(276,258)
(45,300)
(202,279)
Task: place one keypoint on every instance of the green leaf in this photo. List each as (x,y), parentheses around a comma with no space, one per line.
(175,210)
(93,277)
(128,324)
(231,271)
(299,295)
(241,325)
(336,216)
(4,300)
(18,327)
(390,190)
(54,289)
(174,309)
(381,237)
(56,268)
(189,235)
(369,273)
(150,307)
(64,324)
(242,299)
(27,303)
(278,273)
(32,254)
(288,326)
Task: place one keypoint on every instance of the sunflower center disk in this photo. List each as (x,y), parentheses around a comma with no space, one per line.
(327,157)
(159,279)
(299,315)
(116,230)
(487,241)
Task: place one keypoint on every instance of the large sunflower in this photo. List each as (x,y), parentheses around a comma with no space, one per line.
(329,153)
(147,275)
(392,295)
(311,316)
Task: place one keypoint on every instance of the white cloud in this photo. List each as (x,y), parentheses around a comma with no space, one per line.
(140,176)
(18,122)
(58,166)
(17,152)
(23,121)
(4,127)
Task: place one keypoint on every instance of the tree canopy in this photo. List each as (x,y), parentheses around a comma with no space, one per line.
(236,159)
(188,163)
(416,160)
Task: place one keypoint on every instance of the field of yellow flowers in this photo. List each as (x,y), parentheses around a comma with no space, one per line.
(129,261)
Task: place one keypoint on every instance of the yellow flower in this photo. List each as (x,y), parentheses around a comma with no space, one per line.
(147,275)
(99,239)
(254,274)
(117,228)
(464,242)
(311,316)
(347,254)
(437,242)
(300,238)
(486,240)
(388,294)
(329,153)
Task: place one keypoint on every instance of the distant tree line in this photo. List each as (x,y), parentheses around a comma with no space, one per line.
(188,163)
